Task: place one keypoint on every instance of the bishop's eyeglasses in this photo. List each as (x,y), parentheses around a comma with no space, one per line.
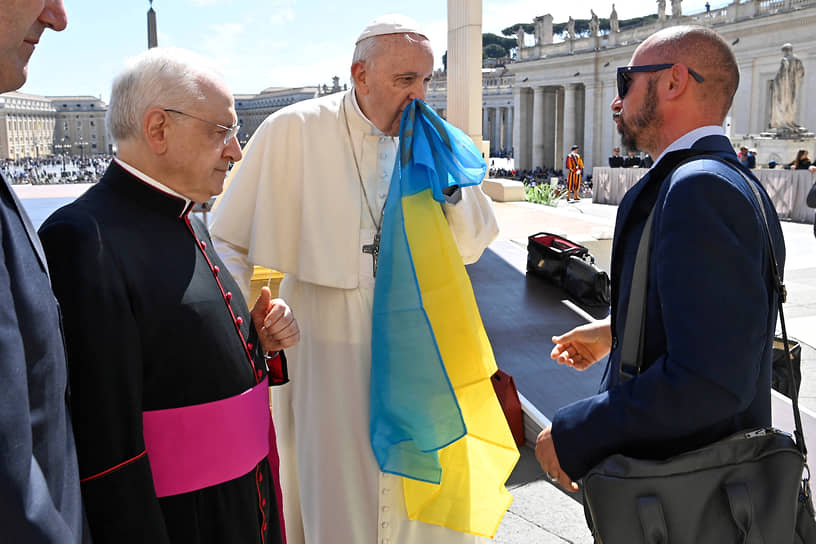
(228,135)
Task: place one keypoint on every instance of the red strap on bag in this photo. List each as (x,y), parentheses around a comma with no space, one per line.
(508,397)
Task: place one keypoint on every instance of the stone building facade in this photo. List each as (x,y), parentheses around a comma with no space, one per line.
(37,126)
(80,125)
(26,125)
(562,91)
(252,109)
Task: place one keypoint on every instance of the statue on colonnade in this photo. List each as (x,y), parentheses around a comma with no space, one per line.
(543,29)
(614,25)
(571,28)
(661,10)
(677,9)
(785,89)
(594,25)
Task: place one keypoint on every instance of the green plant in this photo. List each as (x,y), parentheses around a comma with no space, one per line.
(543,193)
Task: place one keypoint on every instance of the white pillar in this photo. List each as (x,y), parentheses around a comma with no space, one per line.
(610,136)
(570,136)
(465,66)
(495,144)
(522,140)
(550,109)
(508,130)
(538,126)
(592,123)
(558,136)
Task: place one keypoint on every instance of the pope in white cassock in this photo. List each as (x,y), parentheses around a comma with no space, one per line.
(308,200)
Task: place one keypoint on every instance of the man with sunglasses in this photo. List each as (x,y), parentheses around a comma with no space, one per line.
(709,312)
(169,368)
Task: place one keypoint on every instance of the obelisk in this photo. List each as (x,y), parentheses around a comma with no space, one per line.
(152,40)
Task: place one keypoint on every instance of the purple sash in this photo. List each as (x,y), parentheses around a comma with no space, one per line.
(207,444)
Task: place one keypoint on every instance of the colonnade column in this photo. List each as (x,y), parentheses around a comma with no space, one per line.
(522,140)
(497,128)
(538,126)
(465,66)
(548,114)
(570,135)
(592,126)
(508,130)
(610,136)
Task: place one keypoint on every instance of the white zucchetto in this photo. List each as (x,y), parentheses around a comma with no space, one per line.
(393,23)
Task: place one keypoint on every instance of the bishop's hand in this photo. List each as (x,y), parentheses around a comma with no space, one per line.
(275,322)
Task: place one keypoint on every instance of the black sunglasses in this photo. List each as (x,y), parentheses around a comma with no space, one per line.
(624,79)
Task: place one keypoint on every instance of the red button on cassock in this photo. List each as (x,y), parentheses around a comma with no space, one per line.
(228,296)
(216,270)
(203,244)
(239,320)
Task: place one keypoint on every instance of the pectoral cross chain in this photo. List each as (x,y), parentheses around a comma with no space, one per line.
(374,250)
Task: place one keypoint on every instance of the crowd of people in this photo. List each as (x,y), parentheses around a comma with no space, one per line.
(55,169)
(135,403)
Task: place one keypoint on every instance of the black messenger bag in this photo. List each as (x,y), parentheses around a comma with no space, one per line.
(751,488)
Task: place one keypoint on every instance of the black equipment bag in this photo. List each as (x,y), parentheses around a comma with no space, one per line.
(585,282)
(547,255)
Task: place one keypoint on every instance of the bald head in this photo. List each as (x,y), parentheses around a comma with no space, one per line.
(705,52)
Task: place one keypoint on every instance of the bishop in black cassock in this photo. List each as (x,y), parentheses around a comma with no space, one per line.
(154,321)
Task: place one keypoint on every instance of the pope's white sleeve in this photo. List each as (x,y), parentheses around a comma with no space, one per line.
(472,223)
(237,262)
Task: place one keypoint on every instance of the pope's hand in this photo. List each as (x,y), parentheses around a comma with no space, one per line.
(275,323)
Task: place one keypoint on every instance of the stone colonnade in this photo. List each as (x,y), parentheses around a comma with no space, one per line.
(554,117)
(497,127)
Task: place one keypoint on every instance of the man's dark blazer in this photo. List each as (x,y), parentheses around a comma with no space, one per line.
(710,319)
(39,479)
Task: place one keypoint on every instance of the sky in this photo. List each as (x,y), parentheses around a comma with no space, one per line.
(264,43)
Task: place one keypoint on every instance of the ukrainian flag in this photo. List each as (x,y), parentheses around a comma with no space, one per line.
(435,418)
